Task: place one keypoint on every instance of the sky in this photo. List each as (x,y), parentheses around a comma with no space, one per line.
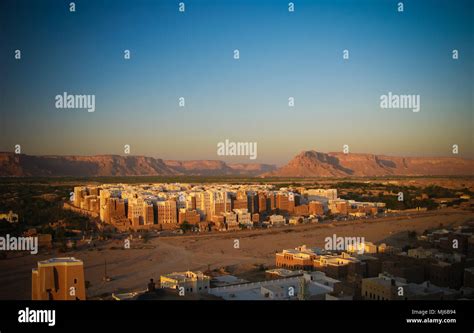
(282,54)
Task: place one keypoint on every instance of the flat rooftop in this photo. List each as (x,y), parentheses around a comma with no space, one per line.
(60,261)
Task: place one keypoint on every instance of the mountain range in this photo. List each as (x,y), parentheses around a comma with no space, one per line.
(306,164)
(21,165)
(315,164)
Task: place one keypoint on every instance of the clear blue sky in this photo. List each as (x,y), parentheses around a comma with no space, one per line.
(282,54)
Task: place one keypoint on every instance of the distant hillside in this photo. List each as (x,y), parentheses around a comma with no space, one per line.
(22,165)
(306,164)
(316,164)
(218,168)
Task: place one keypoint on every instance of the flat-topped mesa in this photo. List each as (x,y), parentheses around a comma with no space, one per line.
(316,164)
(76,165)
(21,165)
(306,164)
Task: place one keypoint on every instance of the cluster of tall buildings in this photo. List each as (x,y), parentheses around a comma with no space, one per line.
(213,206)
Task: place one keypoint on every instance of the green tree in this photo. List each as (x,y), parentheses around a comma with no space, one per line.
(186,226)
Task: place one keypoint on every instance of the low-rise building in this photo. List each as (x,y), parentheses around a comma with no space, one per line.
(58,279)
(277,220)
(244,217)
(189,282)
(282,273)
(291,288)
(389,287)
(231,222)
(219,222)
(299,258)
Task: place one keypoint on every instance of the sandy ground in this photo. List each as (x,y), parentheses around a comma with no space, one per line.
(132,268)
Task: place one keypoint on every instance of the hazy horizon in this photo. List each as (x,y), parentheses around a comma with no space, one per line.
(245,161)
(282,55)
